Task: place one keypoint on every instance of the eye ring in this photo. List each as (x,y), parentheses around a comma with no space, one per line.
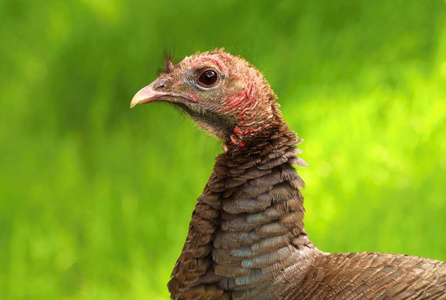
(208,78)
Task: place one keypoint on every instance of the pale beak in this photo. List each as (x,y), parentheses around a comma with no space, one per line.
(147,95)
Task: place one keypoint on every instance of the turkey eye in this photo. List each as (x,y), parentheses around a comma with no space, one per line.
(207,78)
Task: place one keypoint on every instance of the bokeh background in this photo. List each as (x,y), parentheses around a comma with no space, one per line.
(95,198)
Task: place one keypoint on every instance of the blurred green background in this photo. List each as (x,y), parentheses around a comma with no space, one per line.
(95,198)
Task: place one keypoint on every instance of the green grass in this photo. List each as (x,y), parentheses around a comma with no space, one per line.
(95,198)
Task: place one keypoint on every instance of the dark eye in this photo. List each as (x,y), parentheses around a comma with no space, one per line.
(207,78)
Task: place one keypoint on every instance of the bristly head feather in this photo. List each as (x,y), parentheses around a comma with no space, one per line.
(168,61)
(168,64)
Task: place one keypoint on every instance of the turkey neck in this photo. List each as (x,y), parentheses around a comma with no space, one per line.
(247,227)
(261,219)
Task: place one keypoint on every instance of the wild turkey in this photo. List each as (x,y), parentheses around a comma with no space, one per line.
(246,239)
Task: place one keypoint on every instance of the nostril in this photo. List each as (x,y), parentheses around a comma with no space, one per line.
(159,83)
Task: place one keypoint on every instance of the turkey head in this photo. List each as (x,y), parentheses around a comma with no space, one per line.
(223,93)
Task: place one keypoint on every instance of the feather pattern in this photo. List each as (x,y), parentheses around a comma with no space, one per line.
(259,249)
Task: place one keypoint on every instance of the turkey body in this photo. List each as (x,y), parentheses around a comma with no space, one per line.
(246,239)
(250,216)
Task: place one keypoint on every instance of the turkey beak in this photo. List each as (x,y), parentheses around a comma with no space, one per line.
(148,93)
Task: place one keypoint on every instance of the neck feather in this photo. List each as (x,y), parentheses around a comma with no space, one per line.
(248,224)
